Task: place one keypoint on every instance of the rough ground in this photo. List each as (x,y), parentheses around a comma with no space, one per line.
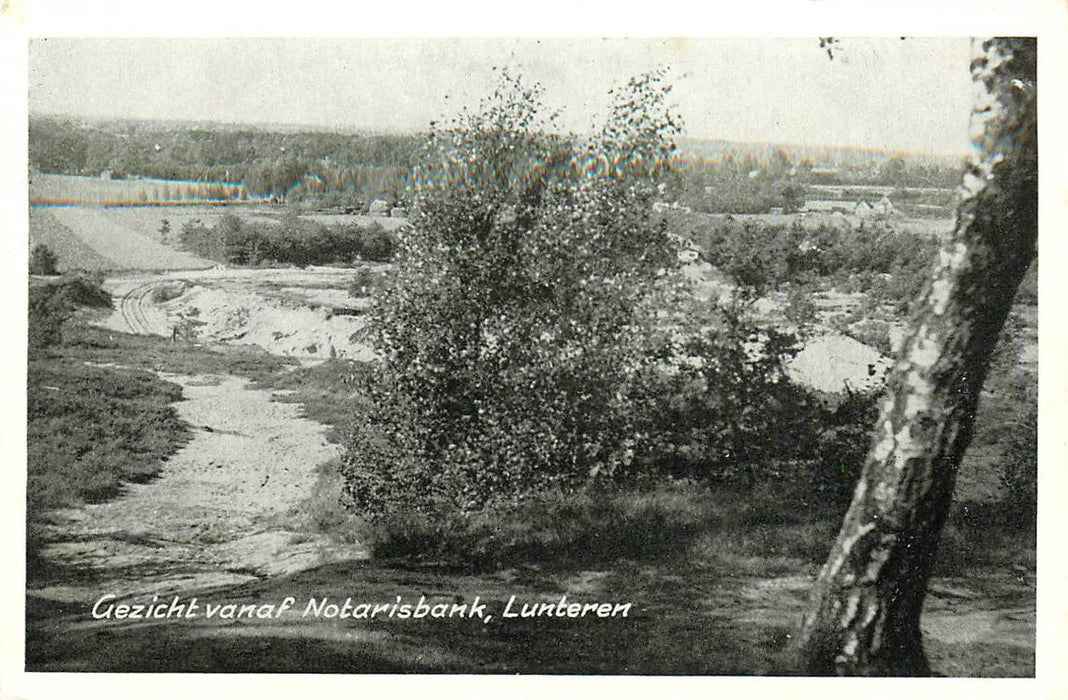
(219,513)
(298,313)
(219,522)
(686,620)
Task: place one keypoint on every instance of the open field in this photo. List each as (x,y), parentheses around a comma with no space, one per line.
(146,237)
(72,252)
(119,247)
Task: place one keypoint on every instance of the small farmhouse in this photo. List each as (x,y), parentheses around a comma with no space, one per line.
(884,208)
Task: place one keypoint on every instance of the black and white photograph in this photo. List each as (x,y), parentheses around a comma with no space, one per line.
(577,356)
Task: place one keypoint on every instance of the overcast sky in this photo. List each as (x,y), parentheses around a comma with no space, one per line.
(890,93)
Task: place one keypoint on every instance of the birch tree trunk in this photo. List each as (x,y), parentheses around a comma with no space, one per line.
(864,616)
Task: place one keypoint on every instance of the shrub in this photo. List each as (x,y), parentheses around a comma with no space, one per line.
(874,257)
(52,304)
(86,290)
(49,309)
(292,241)
(754,255)
(364,282)
(582,529)
(800,306)
(200,239)
(719,405)
(843,436)
(511,327)
(43,261)
(167,292)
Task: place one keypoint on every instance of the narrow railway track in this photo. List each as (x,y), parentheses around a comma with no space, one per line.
(132,308)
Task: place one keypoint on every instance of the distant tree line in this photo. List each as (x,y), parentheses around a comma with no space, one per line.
(344,169)
(351,170)
(293,240)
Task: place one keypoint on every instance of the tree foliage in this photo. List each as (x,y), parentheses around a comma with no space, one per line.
(293,240)
(511,331)
(536,333)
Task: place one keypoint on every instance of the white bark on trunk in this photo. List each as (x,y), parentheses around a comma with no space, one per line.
(865,612)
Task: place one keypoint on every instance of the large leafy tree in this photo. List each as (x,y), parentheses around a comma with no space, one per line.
(865,613)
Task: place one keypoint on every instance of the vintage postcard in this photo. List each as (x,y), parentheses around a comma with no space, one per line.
(702,359)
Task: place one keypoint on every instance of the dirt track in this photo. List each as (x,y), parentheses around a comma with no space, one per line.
(219,513)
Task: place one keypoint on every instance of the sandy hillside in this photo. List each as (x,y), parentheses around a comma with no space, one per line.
(296,313)
(128,247)
(72,253)
(834,363)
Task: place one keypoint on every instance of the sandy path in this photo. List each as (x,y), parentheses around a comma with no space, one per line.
(125,246)
(219,513)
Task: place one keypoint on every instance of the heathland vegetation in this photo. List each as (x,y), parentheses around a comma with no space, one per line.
(90,429)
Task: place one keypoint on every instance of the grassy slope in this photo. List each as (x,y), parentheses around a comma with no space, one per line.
(103,346)
(720,598)
(721,575)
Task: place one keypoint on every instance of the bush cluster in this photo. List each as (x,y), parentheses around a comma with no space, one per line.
(876,257)
(293,241)
(52,304)
(43,261)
